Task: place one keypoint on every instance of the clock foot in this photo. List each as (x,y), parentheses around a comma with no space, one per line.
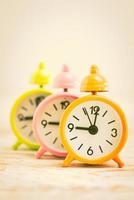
(119,162)
(40,153)
(68,160)
(16,145)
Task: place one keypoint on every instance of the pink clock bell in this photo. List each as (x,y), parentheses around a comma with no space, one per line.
(47,115)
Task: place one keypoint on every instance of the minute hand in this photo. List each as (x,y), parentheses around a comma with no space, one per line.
(82,128)
(86,113)
(95,118)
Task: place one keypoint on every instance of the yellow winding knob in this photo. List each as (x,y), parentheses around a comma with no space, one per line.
(94,82)
(41,75)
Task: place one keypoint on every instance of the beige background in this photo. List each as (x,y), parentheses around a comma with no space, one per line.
(75,32)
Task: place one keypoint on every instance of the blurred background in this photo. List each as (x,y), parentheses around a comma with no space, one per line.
(75,32)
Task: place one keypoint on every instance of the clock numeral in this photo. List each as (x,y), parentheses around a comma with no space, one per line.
(44,123)
(64,104)
(21,117)
(95,110)
(71,127)
(90,151)
(38,100)
(114,132)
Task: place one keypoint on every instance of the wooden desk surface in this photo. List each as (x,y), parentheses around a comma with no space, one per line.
(23,177)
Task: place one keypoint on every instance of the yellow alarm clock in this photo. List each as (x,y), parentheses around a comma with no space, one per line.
(24,107)
(93,128)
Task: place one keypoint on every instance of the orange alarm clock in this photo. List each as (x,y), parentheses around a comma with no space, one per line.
(93,128)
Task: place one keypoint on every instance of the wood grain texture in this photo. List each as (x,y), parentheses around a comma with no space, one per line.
(24,177)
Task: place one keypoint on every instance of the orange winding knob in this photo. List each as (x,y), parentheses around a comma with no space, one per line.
(94,82)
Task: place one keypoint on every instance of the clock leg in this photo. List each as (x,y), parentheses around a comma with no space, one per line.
(40,152)
(16,145)
(119,161)
(68,160)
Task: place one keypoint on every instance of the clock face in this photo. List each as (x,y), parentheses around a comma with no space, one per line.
(24,115)
(93,129)
(48,123)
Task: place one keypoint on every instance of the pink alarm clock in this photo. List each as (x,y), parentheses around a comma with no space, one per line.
(47,116)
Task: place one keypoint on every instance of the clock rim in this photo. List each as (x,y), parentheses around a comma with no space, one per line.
(121,114)
(17,103)
(36,120)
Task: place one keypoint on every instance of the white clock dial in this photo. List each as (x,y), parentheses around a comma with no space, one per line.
(49,121)
(24,115)
(93,129)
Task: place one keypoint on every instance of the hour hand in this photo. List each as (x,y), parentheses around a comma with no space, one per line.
(22,118)
(53,123)
(82,128)
(28,118)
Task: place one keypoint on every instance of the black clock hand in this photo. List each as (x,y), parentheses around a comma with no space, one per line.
(86,113)
(95,118)
(53,123)
(28,118)
(91,129)
(82,128)
(22,118)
